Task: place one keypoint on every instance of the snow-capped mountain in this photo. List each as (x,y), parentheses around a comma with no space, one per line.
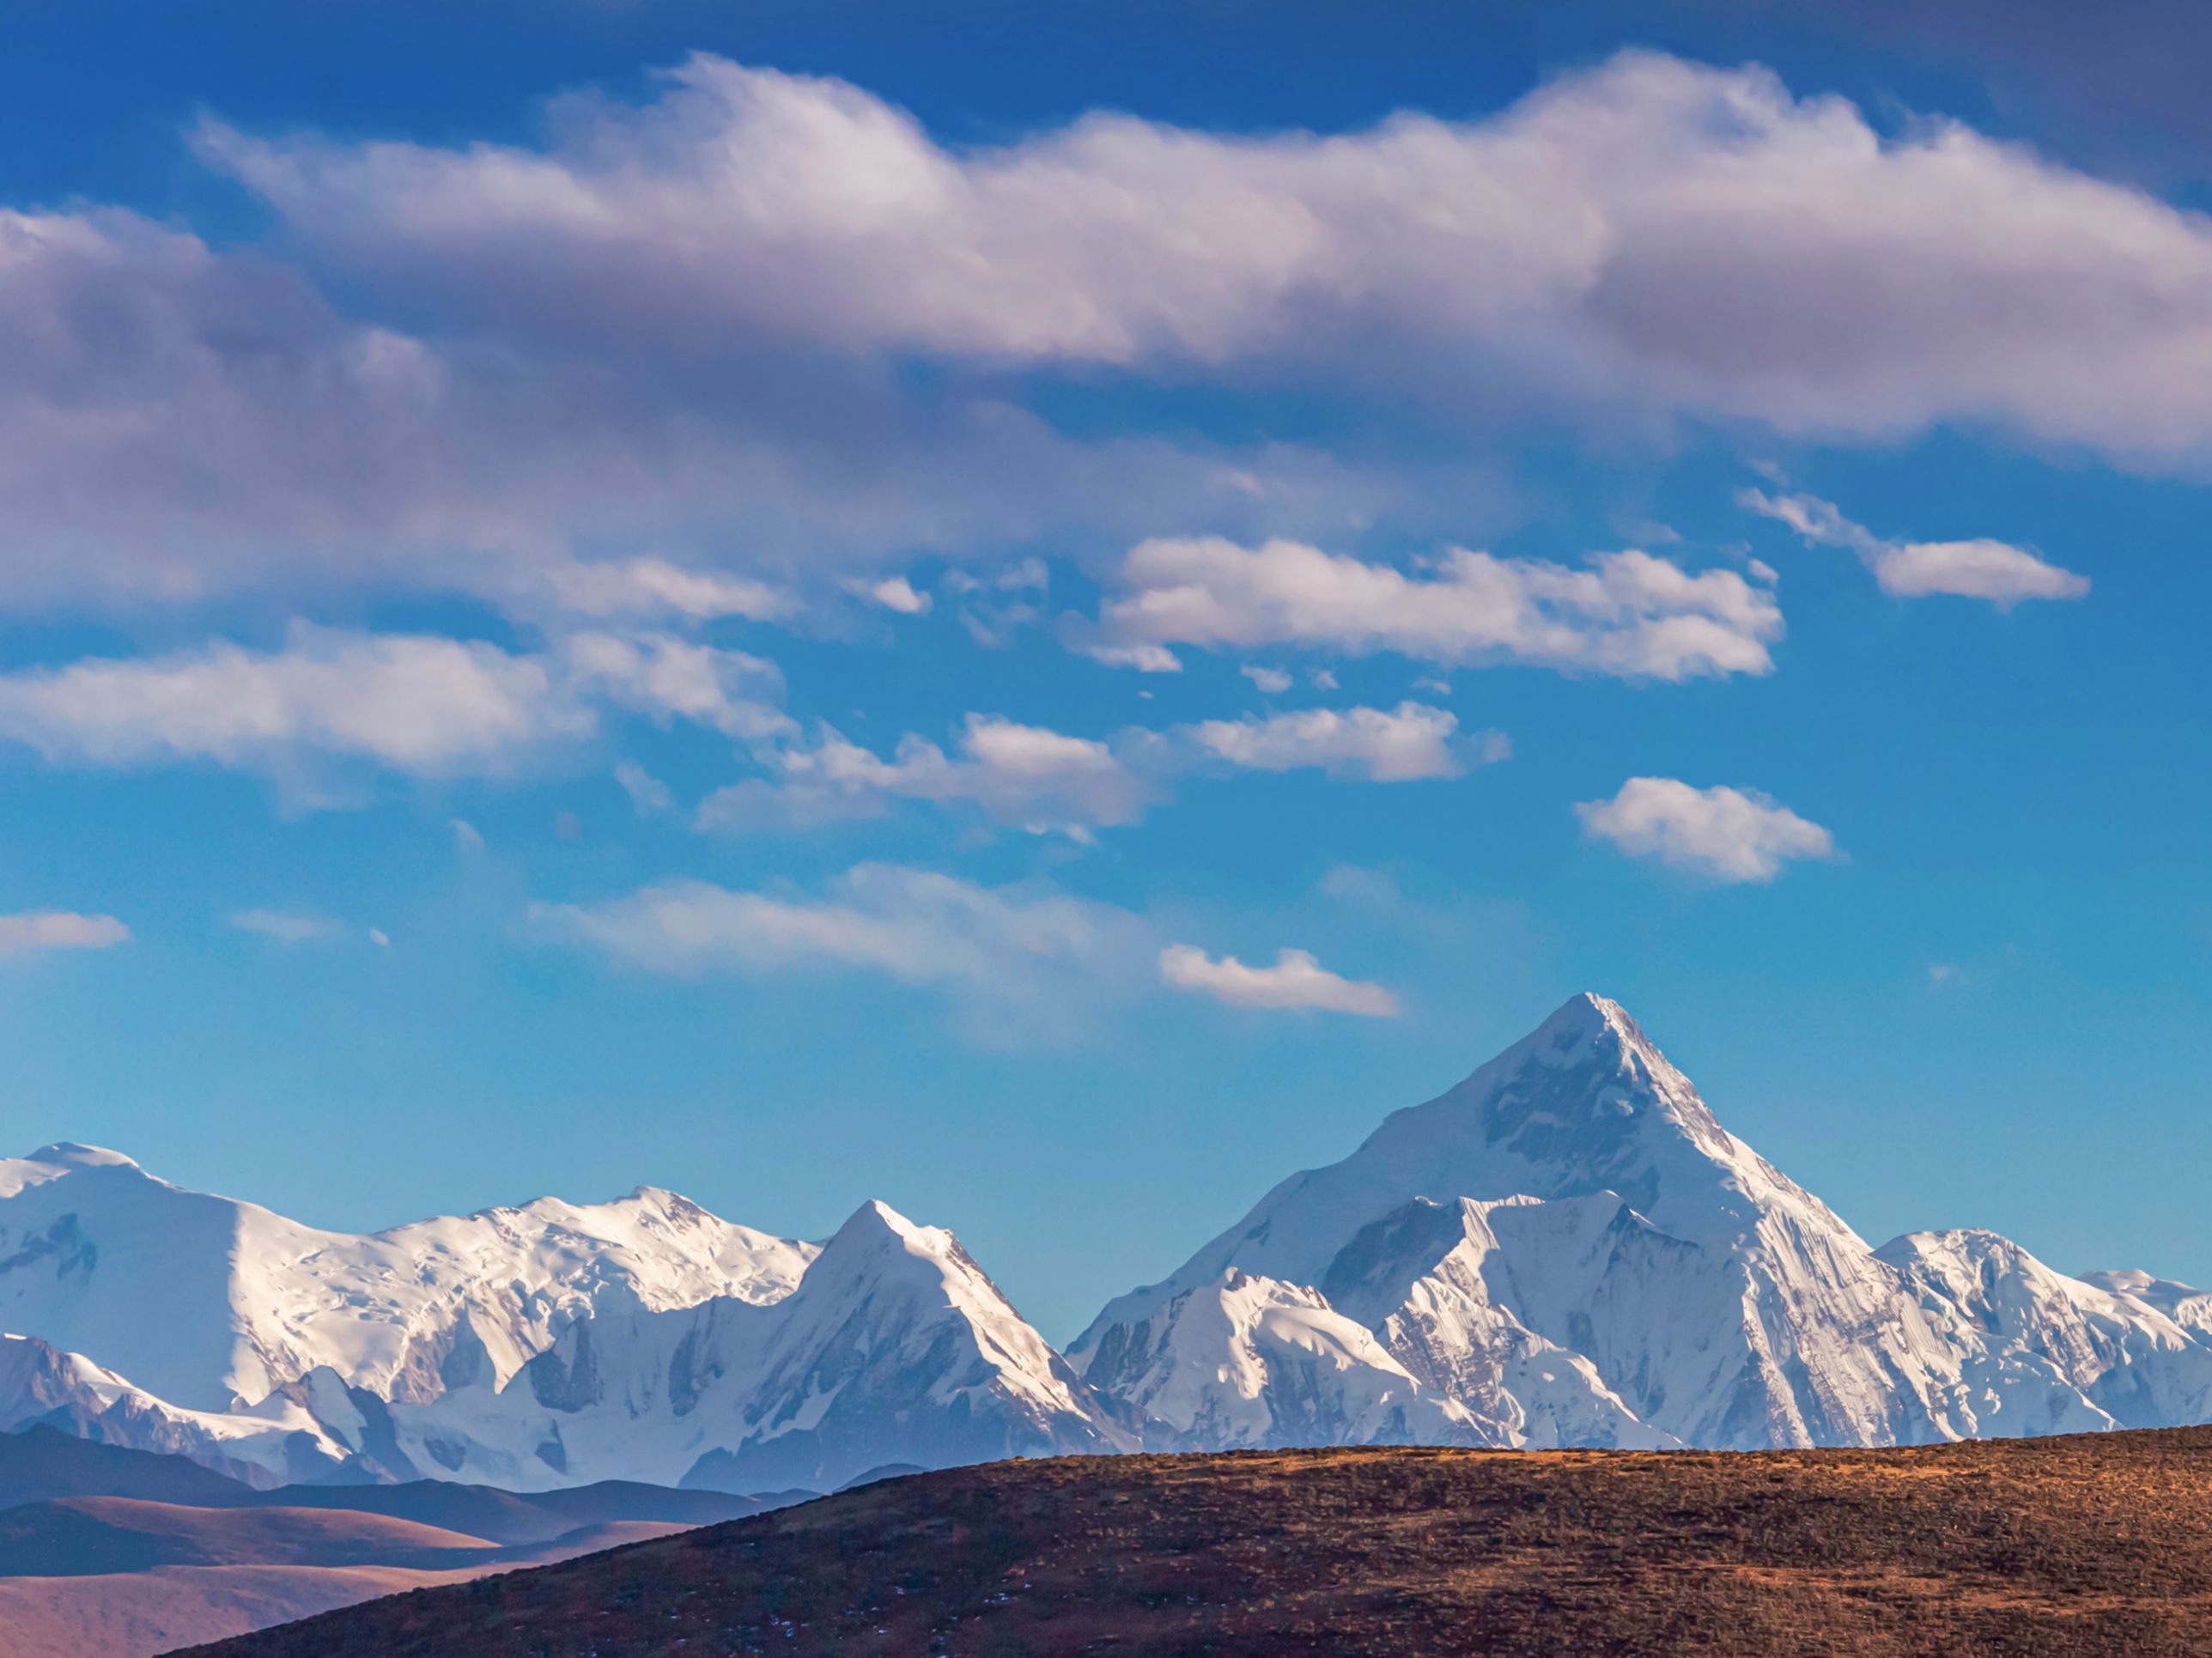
(209,1303)
(895,1347)
(1571,1247)
(543,1345)
(1567,1248)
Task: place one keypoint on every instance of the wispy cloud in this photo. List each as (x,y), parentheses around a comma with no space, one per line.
(647,793)
(59,929)
(1296,979)
(893,594)
(286,926)
(653,587)
(418,704)
(1034,778)
(1020,947)
(1978,568)
(1024,775)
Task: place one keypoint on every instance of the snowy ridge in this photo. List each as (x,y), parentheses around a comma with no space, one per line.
(210,1302)
(895,1347)
(1566,1248)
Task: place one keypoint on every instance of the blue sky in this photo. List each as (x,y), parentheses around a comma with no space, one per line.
(589,590)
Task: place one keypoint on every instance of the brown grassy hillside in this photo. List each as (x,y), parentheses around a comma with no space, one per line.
(2094,1545)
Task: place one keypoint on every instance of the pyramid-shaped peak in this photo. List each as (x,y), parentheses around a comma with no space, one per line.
(1588,1027)
(1588,1013)
(873,1222)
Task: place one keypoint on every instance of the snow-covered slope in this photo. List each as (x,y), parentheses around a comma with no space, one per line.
(2184,1304)
(1571,1246)
(2031,1350)
(1251,1363)
(206,1302)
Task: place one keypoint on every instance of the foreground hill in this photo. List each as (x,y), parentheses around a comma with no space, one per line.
(2084,1545)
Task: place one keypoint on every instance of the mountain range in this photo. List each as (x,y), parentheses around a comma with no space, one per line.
(1566,1248)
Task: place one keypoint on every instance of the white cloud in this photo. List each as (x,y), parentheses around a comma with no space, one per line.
(180,420)
(1295,980)
(1635,242)
(1625,613)
(1273,682)
(1024,775)
(1722,834)
(411,702)
(1404,744)
(1033,778)
(1145,659)
(658,674)
(467,837)
(380,938)
(893,594)
(654,587)
(58,929)
(1646,232)
(286,926)
(1980,568)
(1023,947)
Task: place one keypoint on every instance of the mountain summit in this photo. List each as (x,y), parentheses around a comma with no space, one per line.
(1569,1241)
(1565,1248)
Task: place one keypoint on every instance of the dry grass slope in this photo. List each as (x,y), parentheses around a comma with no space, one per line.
(2095,1545)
